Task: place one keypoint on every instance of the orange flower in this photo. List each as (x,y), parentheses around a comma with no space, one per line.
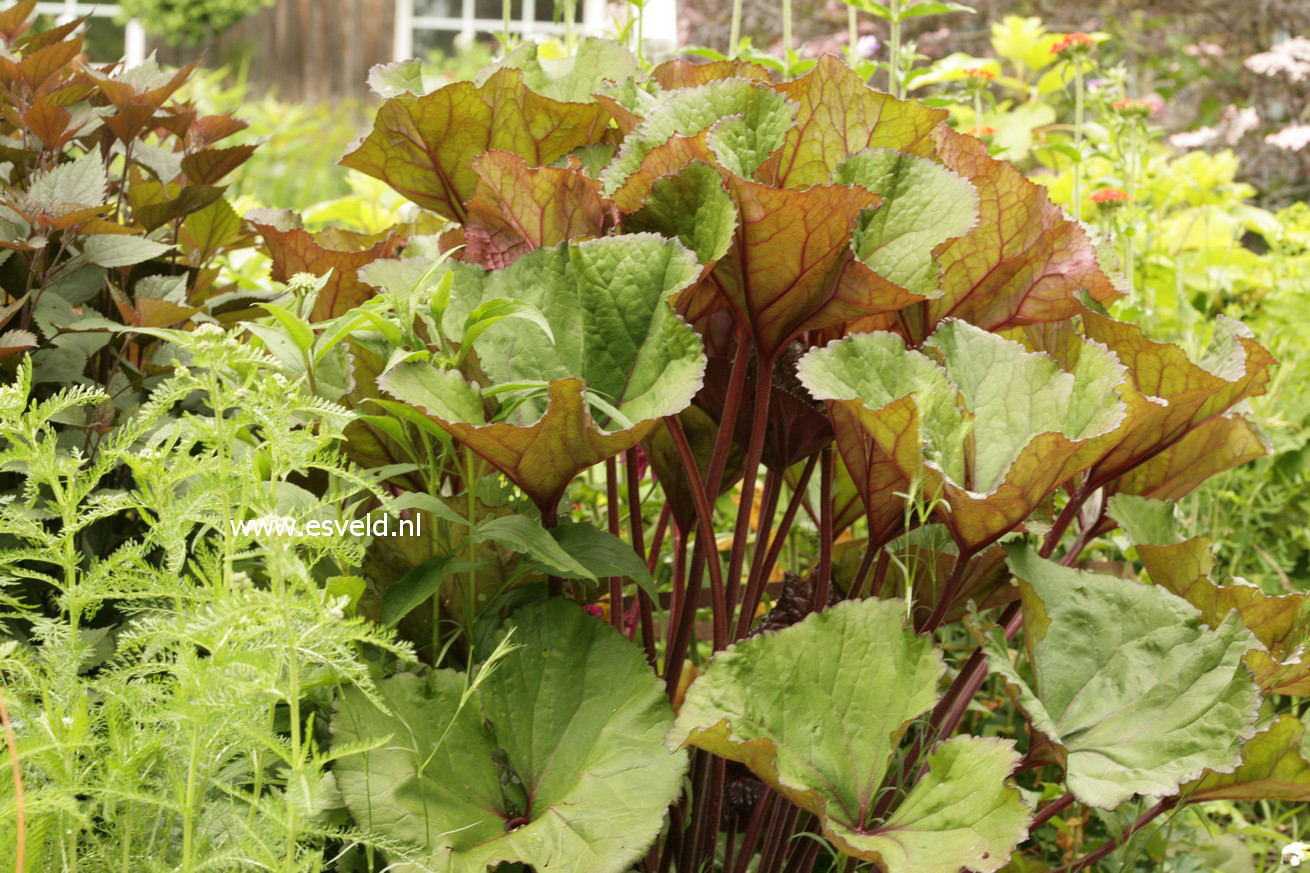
(1109,195)
(982,132)
(1073,43)
(981,74)
(1142,107)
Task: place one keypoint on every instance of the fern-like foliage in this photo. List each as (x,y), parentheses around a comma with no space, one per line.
(168,687)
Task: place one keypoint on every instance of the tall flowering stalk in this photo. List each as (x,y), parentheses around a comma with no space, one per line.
(1133,113)
(1076,47)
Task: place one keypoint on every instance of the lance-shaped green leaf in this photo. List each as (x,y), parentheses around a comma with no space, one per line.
(1135,693)
(1024,262)
(861,677)
(988,433)
(424,146)
(1183,394)
(516,208)
(837,115)
(923,206)
(618,359)
(1280,622)
(554,761)
(743,122)
(1275,766)
(572,78)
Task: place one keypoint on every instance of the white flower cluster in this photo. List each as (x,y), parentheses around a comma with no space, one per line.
(1292,138)
(1194,139)
(1294,854)
(1290,58)
(304,283)
(1236,123)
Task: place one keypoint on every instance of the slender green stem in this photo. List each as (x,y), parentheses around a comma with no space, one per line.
(786,32)
(894,51)
(470,578)
(824,585)
(293,706)
(734,34)
(189,800)
(1134,154)
(570,19)
(20,805)
(852,32)
(1079,110)
(504,24)
(641,35)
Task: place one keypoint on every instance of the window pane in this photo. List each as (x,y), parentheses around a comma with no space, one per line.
(494,10)
(438,8)
(428,41)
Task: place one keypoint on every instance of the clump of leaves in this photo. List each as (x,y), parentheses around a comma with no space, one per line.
(111,210)
(190,21)
(816,296)
(167,694)
(747,281)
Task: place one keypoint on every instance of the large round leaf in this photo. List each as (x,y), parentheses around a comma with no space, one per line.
(554,761)
(1132,689)
(615,345)
(817,711)
(992,430)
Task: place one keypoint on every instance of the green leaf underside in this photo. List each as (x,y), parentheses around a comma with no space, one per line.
(614,333)
(1275,766)
(423,147)
(837,115)
(573,78)
(579,718)
(693,207)
(1130,684)
(859,677)
(1281,623)
(746,122)
(923,206)
(1011,395)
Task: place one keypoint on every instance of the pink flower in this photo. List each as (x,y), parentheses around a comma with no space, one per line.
(1292,138)
(1194,139)
(1290,58)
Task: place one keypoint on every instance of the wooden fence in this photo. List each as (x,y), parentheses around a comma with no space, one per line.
(304,50)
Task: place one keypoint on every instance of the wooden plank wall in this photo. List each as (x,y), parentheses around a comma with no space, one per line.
(304,50)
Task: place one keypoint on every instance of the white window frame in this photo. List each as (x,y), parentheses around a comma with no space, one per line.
(134,35)
(660,23)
